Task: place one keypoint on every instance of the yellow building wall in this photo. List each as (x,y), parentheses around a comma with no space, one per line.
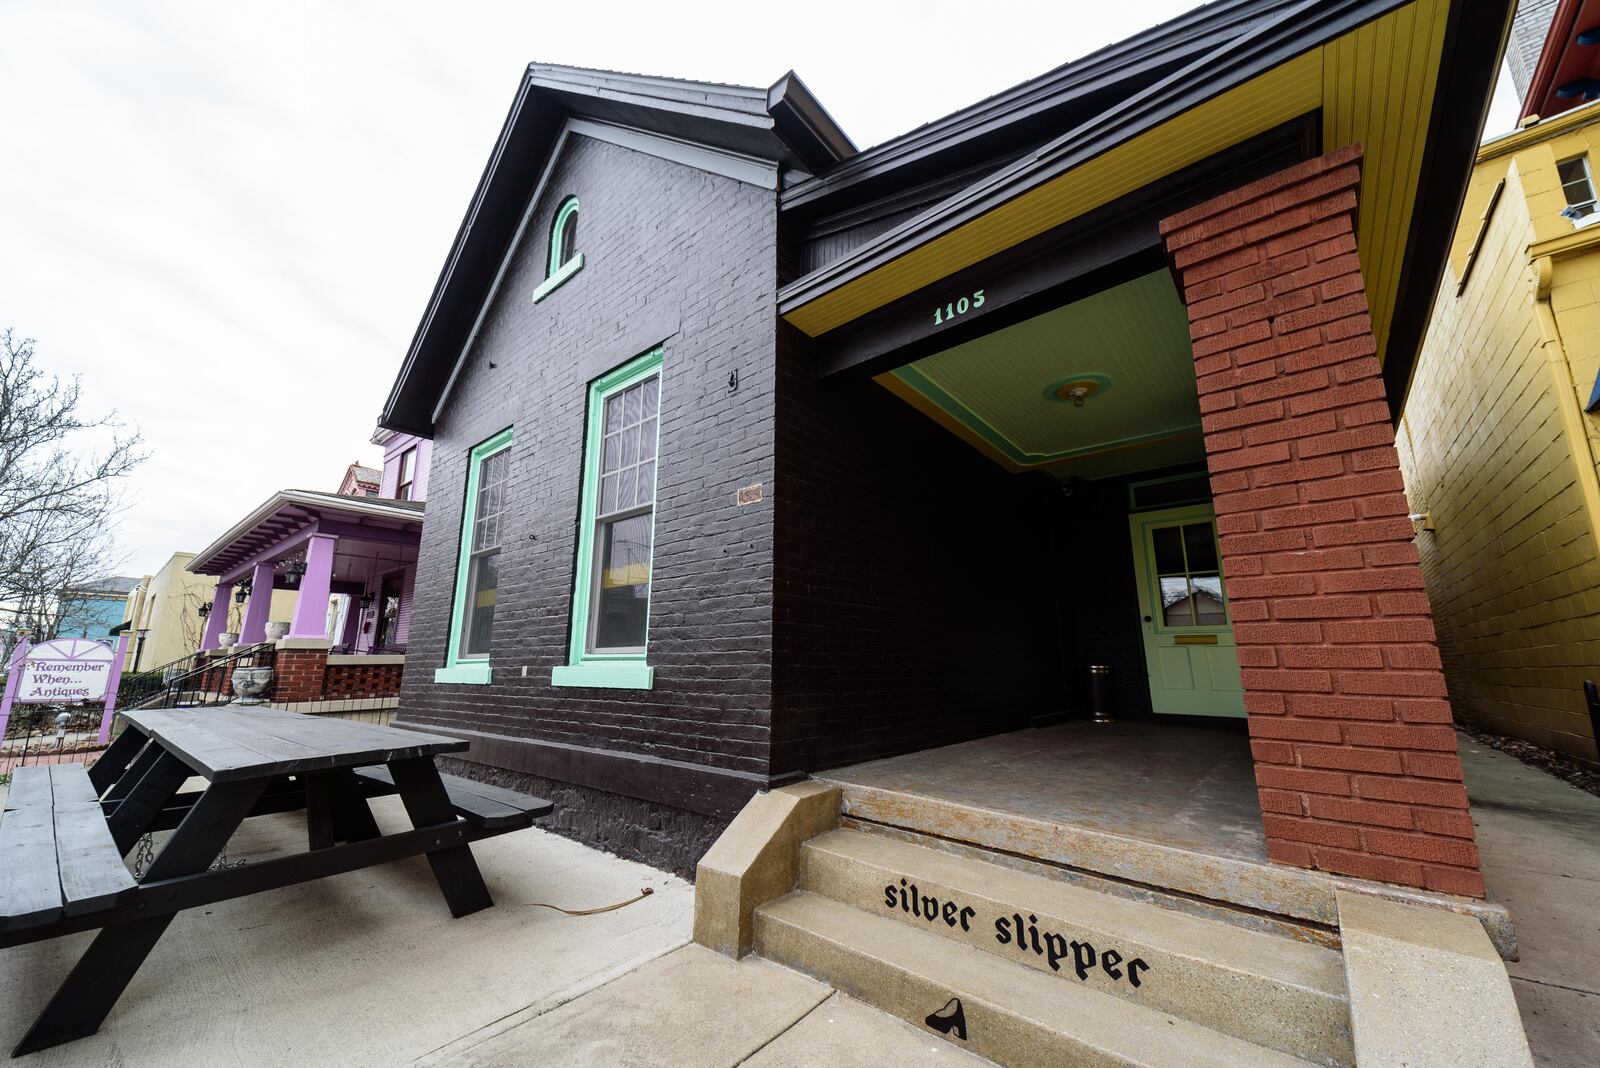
(1512,565)
(165,608)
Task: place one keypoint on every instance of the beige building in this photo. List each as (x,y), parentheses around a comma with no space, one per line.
(1496,445)
(163,614)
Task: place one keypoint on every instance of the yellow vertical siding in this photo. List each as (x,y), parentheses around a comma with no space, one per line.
(1511,567)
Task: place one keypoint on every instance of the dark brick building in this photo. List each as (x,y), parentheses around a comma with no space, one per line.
(756,455)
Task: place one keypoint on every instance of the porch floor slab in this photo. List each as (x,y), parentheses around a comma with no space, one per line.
(1188,787)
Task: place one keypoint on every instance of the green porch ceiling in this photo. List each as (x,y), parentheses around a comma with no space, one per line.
(997,391)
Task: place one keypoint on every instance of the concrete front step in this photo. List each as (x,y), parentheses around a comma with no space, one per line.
(1013,1014)
(1265,989)
(1272,889)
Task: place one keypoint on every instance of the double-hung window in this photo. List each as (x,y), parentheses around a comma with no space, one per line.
(611,602)
(406,477)
(478,567)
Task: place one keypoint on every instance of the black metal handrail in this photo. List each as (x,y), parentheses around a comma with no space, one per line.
(209,679)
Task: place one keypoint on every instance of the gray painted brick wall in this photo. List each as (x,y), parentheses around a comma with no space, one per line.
(1528,29)
(670,253)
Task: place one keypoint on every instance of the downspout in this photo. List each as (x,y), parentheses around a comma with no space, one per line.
(1563,385)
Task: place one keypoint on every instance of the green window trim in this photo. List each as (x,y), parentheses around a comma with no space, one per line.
(468,672)
(559,269)
(628,671)
(457,668)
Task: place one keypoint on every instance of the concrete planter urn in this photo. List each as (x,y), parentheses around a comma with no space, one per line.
(249,683)
(277,631)
(226,639)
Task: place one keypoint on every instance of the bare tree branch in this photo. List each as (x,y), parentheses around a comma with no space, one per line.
(57,502)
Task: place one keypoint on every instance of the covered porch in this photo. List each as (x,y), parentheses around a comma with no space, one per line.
(351,562)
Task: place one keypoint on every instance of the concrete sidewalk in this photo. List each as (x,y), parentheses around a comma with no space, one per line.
(1540,843)
(697,1009)
(366,968)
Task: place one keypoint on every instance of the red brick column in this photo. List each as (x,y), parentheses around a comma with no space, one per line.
(297,674)
(1355,757)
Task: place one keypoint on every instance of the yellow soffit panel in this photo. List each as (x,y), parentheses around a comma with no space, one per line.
(1374,85)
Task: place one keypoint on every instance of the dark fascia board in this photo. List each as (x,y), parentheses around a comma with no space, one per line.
(806,125)
(722,116)
(1110,245)
(1475,39)
(1005,122)
(516,152)
(1305,26)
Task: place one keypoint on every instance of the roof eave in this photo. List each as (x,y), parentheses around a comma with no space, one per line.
(1269,45)
(361,507)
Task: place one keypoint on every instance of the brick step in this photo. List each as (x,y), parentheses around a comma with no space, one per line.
(1262,988)
(1012,1014)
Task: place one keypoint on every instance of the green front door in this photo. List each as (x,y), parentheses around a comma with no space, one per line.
(1188,638)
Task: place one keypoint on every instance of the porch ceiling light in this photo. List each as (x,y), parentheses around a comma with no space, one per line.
(1075,389)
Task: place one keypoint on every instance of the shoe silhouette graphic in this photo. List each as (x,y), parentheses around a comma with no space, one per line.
(950,1019)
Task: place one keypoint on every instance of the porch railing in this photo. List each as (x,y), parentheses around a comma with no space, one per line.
(202,678)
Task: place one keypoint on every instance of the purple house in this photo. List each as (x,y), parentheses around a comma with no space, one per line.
(350,558)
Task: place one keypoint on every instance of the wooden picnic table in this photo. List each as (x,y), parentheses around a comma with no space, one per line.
(65,830)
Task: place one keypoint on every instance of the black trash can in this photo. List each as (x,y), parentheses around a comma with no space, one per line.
(1100,694)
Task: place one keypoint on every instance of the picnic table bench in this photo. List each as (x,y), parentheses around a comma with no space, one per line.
(65,830)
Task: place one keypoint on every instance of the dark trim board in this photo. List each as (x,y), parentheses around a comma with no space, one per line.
(1474,37)
(1106,247)
(717,792)
(1029,113)
(1291,33)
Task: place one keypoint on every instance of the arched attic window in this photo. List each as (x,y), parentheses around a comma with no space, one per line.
(565,259)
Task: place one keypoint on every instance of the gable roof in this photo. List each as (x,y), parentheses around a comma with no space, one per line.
(1031,112)
(1409,79)
(783,125)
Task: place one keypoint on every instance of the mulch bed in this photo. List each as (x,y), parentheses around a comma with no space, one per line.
(1583,775)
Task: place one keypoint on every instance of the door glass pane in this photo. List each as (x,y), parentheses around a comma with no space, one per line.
(624,588)
(1175,608)
(1209,606)
(1201,547)
(1168,545)
(481,589)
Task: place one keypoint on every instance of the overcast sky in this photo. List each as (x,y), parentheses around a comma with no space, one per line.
(227,216)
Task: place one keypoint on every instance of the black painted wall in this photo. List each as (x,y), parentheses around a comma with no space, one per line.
(676,256)
(913,579)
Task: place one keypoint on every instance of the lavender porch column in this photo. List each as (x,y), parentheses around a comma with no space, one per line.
(258,607)
(217,621)
(311,604)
